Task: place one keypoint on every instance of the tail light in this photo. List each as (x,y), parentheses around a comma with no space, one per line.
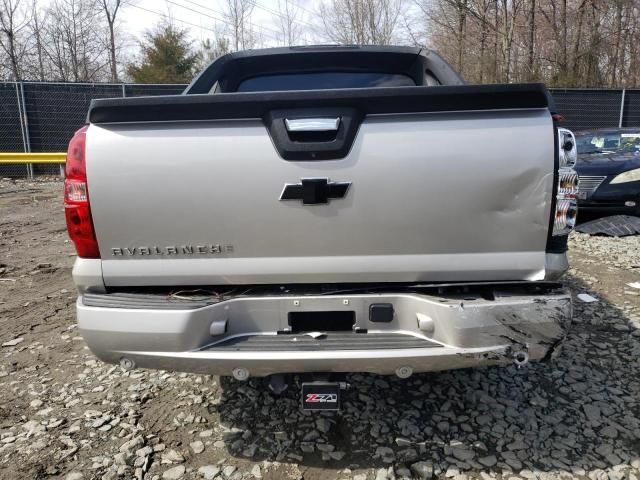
(76,198)
(567,152)
(568,182)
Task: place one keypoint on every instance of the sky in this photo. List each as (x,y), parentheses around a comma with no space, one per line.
(201,18)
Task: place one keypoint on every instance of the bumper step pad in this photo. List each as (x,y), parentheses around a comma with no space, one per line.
(330,341)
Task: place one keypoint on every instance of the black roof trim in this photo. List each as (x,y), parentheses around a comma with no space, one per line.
(231,69)
(322,48)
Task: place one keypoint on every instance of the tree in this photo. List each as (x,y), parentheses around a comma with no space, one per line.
(74,41)
(565,43)
(450,17)
(531,27)
(38,19)
(238,17)
(110,9)
(364,22)
(166,57)
(12,23)
(287,21)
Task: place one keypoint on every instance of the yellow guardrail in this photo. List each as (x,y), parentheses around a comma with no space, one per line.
(26,158)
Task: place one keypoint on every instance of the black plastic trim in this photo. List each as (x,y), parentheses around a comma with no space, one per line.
(366,101)
(381,312)
(553,244)
(558,244)
(337,147)
(227,72)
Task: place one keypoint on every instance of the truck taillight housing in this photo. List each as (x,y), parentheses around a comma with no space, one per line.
(567,192)
(76,198)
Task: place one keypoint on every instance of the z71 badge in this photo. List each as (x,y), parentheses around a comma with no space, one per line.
(320,396)
(171,250)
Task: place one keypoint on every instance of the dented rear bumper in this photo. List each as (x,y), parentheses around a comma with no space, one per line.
(428,331)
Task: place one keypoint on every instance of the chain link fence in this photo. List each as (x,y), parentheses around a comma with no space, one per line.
(11,134)
(42,116)
(631,111)
(588,109)
(585,109)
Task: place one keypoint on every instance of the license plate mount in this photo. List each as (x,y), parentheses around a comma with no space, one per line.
(320,396)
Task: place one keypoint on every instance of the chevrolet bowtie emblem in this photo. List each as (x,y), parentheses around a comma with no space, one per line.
(313,191)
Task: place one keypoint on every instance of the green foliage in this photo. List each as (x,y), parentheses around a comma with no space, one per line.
(166,57)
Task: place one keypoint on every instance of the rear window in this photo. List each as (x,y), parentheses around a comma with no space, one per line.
(324,81)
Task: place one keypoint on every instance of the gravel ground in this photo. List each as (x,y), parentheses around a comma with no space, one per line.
(63,414)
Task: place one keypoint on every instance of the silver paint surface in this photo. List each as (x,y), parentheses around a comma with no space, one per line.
(472,332)
(434,197)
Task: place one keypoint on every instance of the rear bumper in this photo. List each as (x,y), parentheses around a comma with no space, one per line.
(427,332)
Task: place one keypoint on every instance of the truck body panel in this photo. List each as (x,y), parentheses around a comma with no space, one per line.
(433,197)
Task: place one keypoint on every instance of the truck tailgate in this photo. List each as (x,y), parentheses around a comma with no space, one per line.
(452,194)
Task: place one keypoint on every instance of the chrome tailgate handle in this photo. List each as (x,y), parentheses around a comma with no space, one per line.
(310,134)
(312,124)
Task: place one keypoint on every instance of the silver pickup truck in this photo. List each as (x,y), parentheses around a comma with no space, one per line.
(323,209)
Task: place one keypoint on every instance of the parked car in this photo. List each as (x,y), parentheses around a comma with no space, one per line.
(609,171)
(323,210)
